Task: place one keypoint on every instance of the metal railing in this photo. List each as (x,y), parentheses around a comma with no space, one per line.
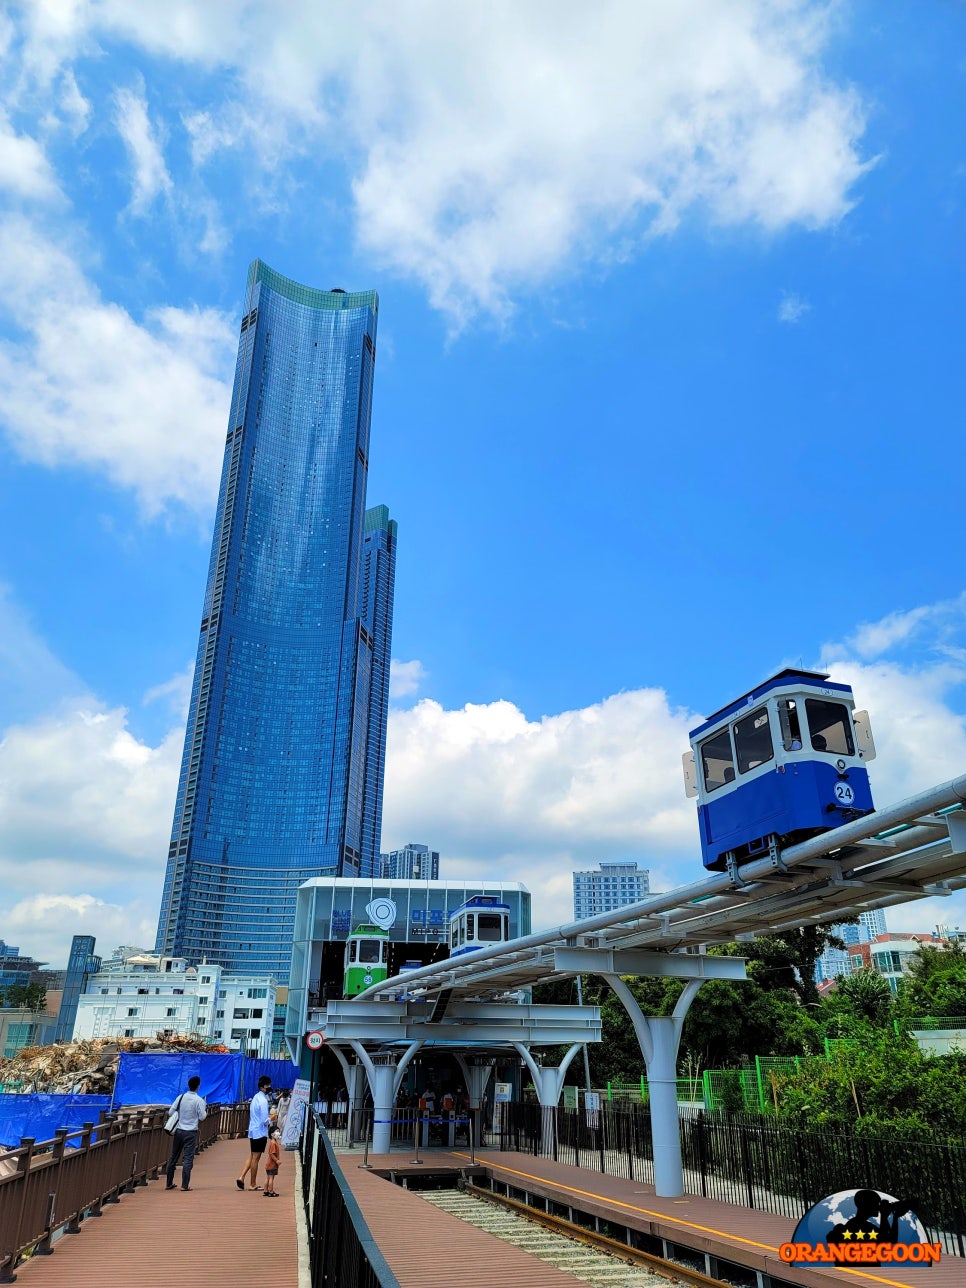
(350,1126)
(754,1160)
(341,1247)
(49,1187)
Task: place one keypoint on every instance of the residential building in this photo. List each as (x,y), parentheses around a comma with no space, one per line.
(836,961)
(412,863)
(615,885)
(138,994)
(81,965)
(890,955)
(282,772)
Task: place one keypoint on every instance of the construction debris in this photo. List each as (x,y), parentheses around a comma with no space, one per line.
(87,1066)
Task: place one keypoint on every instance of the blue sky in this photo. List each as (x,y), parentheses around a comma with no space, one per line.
(667,395)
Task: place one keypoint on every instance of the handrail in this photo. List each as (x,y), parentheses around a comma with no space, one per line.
(55,1184)
(342,1248)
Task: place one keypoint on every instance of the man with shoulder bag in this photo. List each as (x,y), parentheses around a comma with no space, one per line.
(188,1111)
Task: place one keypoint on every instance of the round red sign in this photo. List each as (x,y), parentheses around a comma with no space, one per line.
(314,1040)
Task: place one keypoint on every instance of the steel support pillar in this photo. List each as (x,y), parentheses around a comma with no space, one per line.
(477,1074)
(352,1072)
(548,1084)
(381,1072)
(659,1037)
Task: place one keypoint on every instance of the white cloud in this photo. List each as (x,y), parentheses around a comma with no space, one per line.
(24,168)
(31,676)
(491,148)
(943,619)
(532,800)
(42,924)
(792,308)
(149,178)
(176,692)
(405,678)
(145,402)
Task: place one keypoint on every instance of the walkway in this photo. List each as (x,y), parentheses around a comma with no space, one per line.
(156,1238)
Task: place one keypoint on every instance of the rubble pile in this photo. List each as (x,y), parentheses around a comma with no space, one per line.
(86,1066)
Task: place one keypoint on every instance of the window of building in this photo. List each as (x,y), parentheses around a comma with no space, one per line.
(129,1033)
(257,1014)
(219,1015)
(240,1014)
(103,992)
(170,1011)
(132,1010)
(753,741)
(206,979)
(257,992)
(202,1001)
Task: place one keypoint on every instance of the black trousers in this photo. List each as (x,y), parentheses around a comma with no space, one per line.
(182,1142)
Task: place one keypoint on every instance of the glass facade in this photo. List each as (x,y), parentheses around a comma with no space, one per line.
(329,909)
(281,778)
(81,966)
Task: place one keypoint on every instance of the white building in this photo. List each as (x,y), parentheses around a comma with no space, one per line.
(139,995)
(615,885)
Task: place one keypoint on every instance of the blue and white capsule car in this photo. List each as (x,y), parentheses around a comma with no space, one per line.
(779,764)
(480,922)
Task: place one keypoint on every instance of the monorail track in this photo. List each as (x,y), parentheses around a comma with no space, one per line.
(592,1258)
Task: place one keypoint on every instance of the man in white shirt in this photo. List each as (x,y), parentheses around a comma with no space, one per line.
(257,1133)
(191,1110)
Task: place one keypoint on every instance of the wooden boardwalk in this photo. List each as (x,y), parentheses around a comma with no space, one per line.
(156,1238)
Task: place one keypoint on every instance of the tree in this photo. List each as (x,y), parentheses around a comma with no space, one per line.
(791,957)
(936,982)
(31,996)
(865,993)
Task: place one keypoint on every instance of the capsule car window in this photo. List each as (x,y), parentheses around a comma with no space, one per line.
(718,765)
(369,950)
(753,741)
(489,925)
(828,724)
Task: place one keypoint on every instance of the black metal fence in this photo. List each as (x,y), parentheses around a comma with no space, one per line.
(754,1160)
(342,1251)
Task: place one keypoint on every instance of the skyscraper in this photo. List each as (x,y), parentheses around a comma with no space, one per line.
(281,778)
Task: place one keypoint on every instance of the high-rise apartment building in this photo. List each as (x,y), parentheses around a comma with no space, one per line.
(412,863)
(281,778)
(81,965)
(615,885)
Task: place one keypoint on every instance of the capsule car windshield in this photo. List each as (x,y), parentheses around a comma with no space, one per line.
(369,950)
(488,925)
(829,727)
(753,741)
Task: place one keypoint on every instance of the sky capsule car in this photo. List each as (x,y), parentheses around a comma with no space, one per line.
(479,923)
(779,764)
(366,959)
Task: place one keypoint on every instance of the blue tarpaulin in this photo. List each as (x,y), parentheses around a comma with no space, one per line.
(282,1073)
(40,1116)
(144,1079)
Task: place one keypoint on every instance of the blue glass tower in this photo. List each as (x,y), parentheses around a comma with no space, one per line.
(282,773)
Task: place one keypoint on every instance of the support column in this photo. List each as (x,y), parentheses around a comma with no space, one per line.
(352,1072)
(659,1037)
(381,1072)
(548,1084)
(476,1071)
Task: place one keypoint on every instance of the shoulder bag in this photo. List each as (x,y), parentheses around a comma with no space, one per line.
(172,1124)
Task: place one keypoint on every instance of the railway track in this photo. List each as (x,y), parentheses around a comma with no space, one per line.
(591,1258)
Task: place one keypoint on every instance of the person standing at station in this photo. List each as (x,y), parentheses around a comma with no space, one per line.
(191,1110)
(273,1159)
(257,1133)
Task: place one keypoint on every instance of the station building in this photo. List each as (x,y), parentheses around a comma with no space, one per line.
(414,913)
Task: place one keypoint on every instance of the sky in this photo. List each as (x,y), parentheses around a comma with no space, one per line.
(666,398)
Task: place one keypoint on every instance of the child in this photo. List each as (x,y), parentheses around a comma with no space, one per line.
(273,1158)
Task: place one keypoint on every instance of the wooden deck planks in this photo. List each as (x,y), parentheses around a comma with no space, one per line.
(156,1238)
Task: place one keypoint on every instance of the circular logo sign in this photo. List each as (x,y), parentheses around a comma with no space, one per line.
(314,1040)
(381,912)
(367,979)
(844,795)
